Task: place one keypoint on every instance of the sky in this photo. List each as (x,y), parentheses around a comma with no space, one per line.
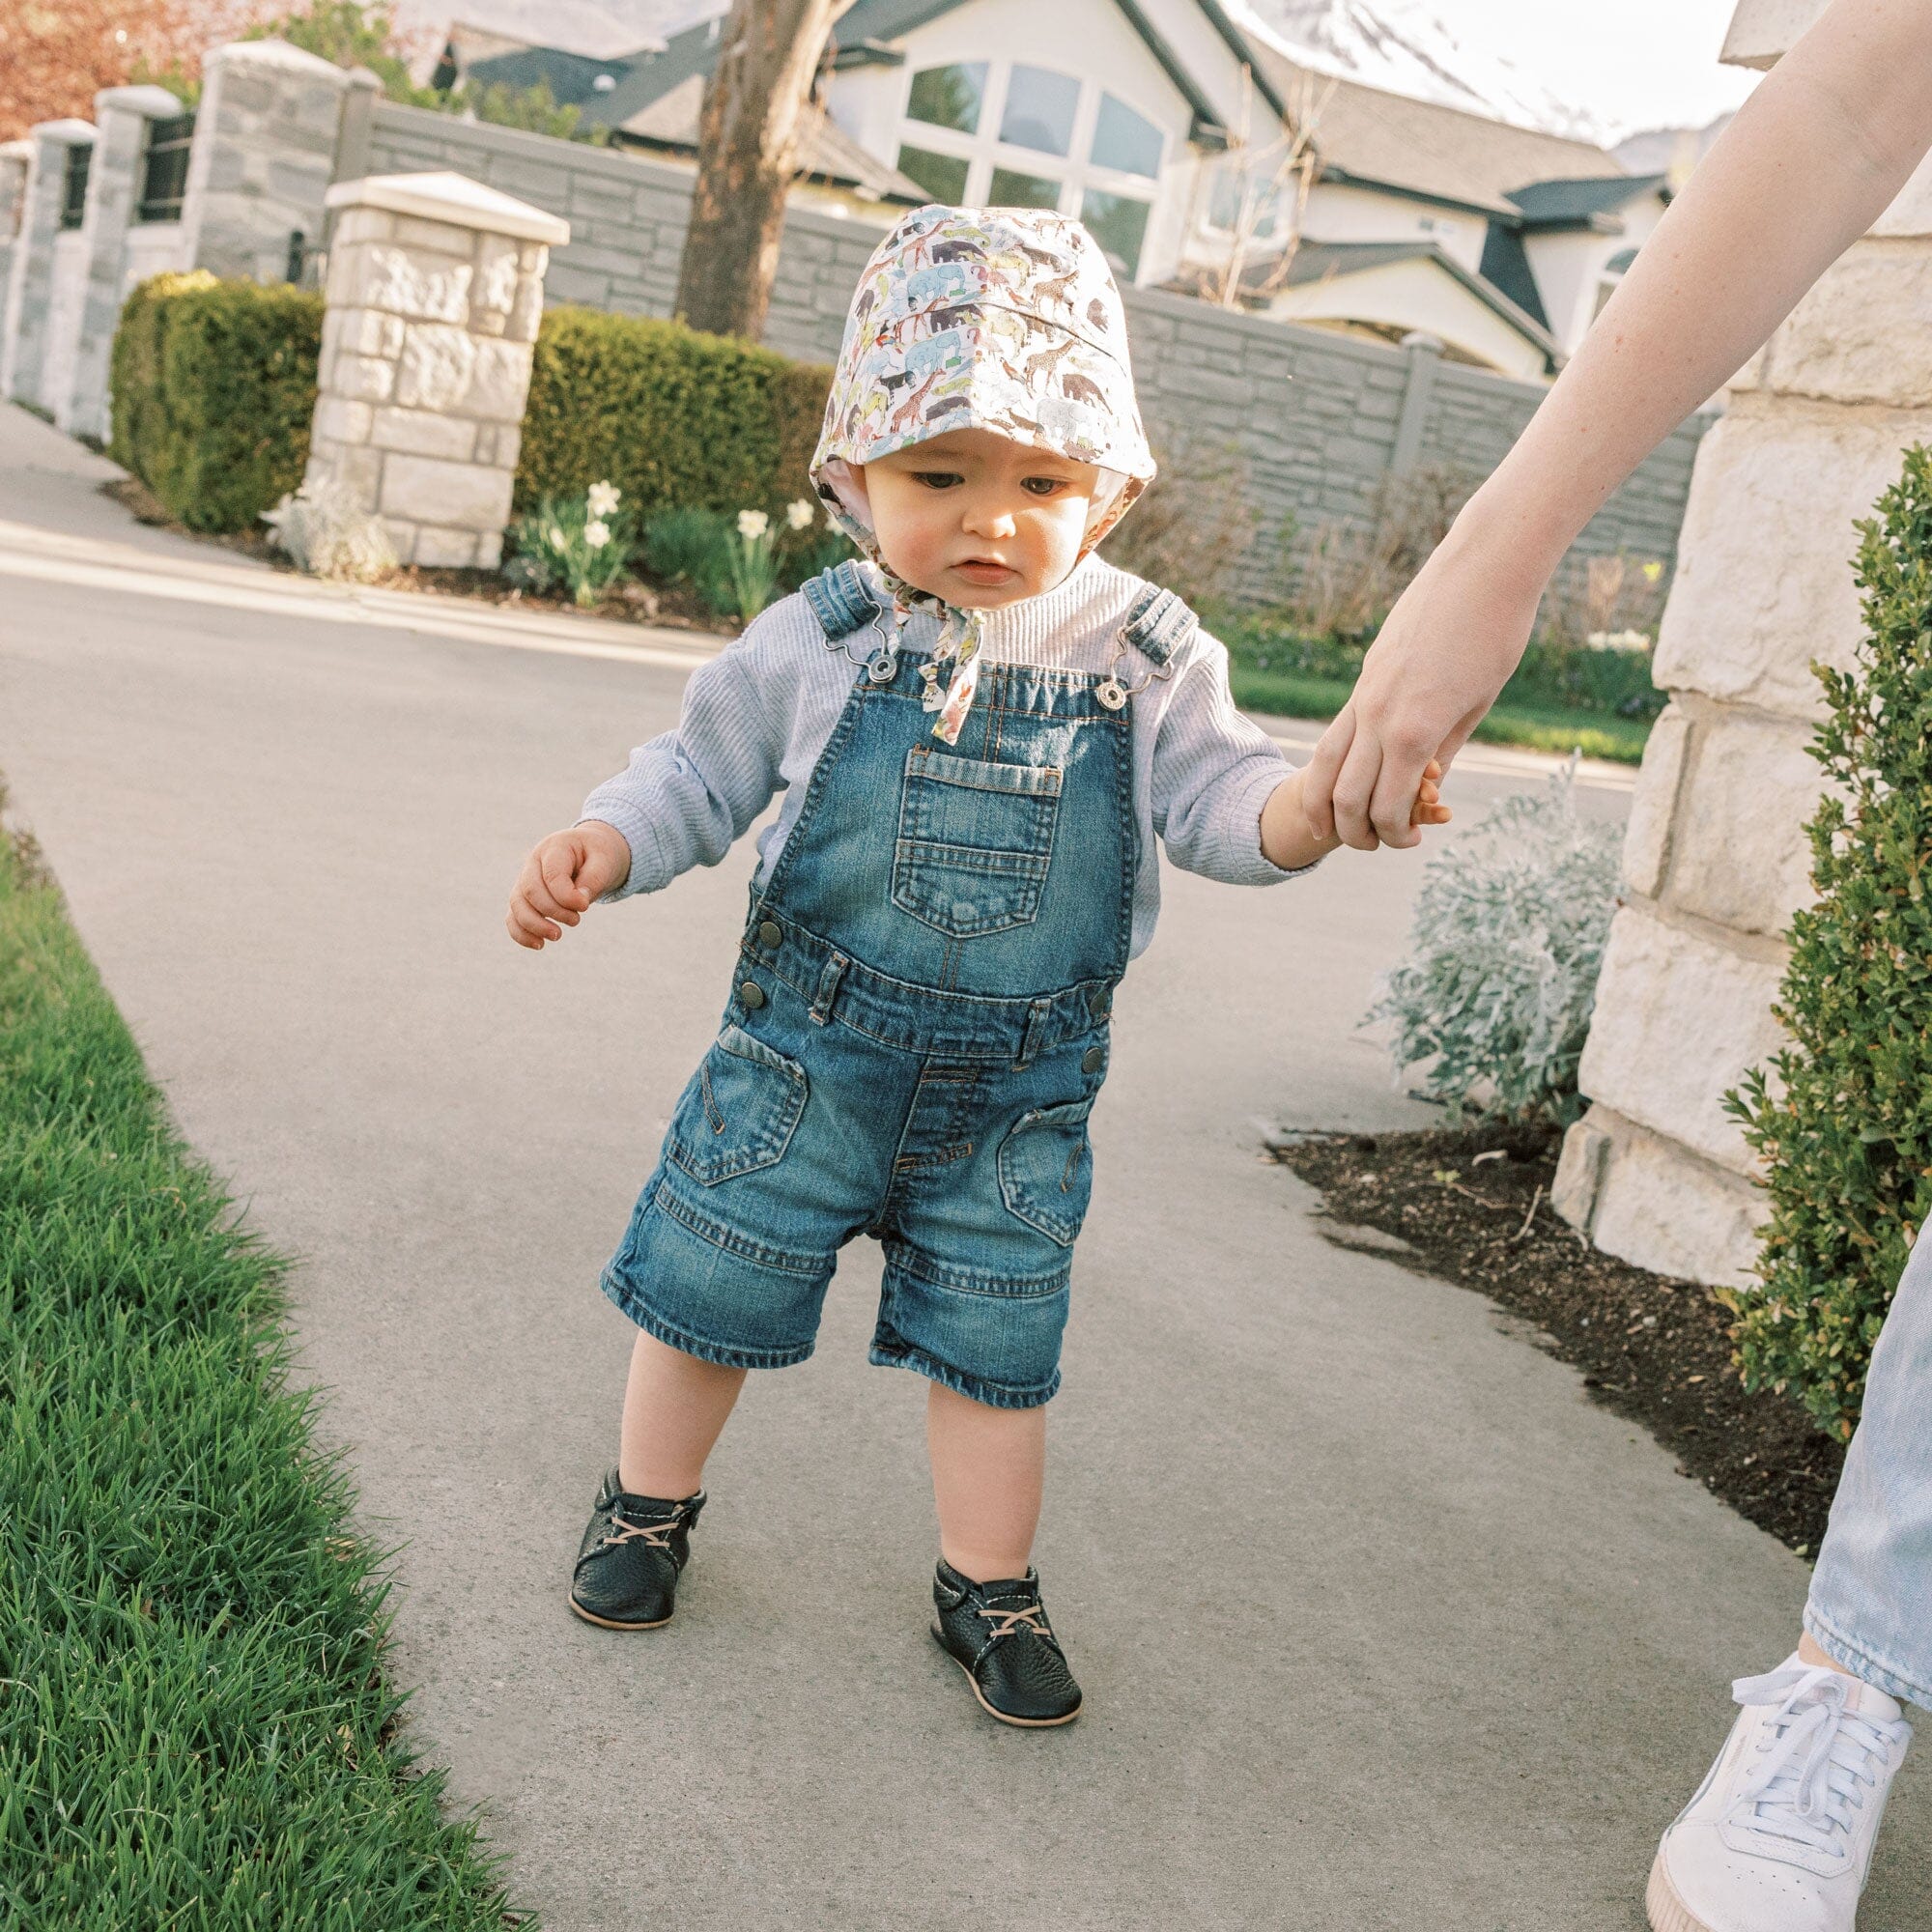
(1635,62)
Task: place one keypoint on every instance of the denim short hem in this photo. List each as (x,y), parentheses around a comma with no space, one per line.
(995,1395)
(639,1311)
(1861,1664)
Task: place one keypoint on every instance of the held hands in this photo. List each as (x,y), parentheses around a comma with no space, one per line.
(561,877)
(1291,838)
(1446,651)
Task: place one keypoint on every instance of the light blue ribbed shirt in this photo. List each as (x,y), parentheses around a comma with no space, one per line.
(757,718)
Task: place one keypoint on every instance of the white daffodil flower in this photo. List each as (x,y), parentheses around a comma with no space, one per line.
(603,499)
(799,514)
(597,533)
(752,524)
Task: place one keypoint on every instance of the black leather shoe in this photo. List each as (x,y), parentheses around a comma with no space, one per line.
(998,1634)
(628,1564)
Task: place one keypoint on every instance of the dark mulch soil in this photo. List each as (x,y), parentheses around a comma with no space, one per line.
(671,606)
(1471,1206)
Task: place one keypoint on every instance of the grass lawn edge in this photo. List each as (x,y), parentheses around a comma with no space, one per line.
(197,1722)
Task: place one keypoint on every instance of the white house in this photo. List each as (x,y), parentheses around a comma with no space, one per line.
(1142,117)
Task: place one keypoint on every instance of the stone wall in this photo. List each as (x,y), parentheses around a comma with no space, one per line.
(1317,416)
(1715,861)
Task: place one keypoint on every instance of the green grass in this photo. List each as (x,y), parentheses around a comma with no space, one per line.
(1543,728)
(1559,698)
(197,1733)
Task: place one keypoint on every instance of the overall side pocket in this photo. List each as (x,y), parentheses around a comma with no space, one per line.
(739,1111)
(1046,1168)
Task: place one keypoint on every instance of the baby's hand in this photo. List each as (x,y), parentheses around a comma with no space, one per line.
(1429,809)
(561,877)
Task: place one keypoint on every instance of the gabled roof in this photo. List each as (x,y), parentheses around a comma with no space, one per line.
(867,30)
(1587,202)
(659,96)
(1506,263)
(1443,155)
(1326,261)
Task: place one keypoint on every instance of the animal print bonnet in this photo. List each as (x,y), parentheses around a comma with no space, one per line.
(1005,319)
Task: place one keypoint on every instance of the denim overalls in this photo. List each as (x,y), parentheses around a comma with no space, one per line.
(917,1029)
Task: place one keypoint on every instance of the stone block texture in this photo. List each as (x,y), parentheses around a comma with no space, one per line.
(30,289)
(424,372)
(121,115)
(1313,415)
(1681,1015)
(264,154)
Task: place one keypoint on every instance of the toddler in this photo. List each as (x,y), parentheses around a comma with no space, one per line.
(980,732)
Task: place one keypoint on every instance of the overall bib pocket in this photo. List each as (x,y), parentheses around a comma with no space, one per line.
(975,841)
(740,1110)
(1046,1168)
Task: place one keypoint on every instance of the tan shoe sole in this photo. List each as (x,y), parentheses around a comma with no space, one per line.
(1019,1724)
(605,1623)
(1667,1912)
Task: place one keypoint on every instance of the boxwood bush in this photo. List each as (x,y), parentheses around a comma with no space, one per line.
(675,419)
(213,386)
(215,383)
(1842,1118)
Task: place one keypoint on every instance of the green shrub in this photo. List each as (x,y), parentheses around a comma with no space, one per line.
(213,387)
(1843,1121)
(675,419)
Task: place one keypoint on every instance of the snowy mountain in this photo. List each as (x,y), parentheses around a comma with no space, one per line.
(1403,46)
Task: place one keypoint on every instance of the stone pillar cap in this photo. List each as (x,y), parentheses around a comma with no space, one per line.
(70,133)
(154,104)
(444,196)
(273,52)
(17,151)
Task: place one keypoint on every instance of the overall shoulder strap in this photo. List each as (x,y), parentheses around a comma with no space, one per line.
(1159,625)
(840,599)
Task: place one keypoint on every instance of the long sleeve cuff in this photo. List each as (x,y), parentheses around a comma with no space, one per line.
(650,871)
(1236,822)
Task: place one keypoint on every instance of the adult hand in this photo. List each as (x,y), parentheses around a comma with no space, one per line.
(561,877)
(1446,651)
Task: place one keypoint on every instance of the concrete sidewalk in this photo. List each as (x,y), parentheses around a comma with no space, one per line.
(1383,1623)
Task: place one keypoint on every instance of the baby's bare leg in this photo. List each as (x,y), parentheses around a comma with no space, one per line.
(674,1409)
(988,1468)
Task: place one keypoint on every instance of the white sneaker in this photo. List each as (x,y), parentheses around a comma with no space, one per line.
(1781,1834)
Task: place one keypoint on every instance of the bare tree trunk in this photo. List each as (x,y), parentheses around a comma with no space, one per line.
(748,146)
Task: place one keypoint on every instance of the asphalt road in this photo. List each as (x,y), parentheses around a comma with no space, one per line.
(1383,1623)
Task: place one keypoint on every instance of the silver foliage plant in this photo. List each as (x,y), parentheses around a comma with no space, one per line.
(1508,935)
(328,533)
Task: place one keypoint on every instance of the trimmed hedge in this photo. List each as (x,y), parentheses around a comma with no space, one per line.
(213,386)
(675,419)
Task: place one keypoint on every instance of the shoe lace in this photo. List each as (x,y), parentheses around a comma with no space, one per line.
(1030,1617)
(653,1535)
(1818,1753)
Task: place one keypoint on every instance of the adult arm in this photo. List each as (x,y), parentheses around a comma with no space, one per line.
(1812,159)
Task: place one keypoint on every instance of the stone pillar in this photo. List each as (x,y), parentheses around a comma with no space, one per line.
(30,286)
(121,115)
(265,139)
(1715,860)
(14,156)
(435,291)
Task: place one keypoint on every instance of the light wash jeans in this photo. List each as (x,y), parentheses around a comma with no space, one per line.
(1871,1597)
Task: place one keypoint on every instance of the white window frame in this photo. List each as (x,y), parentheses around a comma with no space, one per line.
(1075,171)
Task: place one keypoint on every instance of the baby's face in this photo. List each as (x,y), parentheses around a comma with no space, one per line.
(978,519)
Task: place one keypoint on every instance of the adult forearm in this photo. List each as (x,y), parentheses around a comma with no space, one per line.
(1811,160)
